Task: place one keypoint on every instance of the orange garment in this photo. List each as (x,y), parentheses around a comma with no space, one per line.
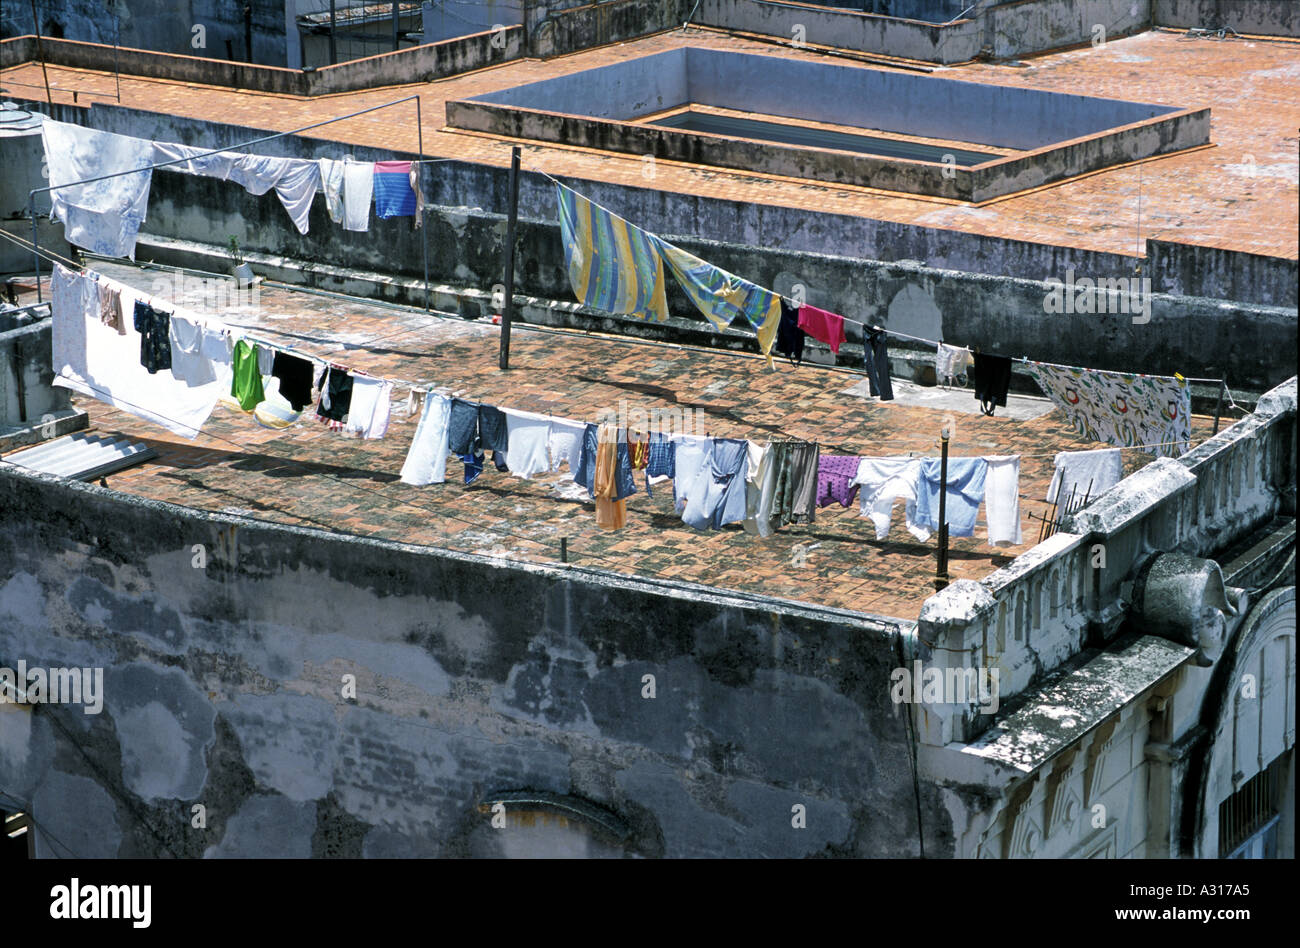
(638,452)
(610,514)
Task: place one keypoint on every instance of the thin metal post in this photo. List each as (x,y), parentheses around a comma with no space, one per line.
(334,52)
(19,385)
(395,25)
(424,225)
(508,309)
(40,51)
(564,549)
(117,42)
(941,567)
(1218,408)
(248,30)
(36,244)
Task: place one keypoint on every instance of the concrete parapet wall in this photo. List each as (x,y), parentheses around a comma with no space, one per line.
(419,64)
(1252,17)
(1031,616)
(474,674)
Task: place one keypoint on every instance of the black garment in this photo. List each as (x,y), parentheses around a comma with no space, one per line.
(295,375)
(992,378)
(462,427)
(789,337)
(492,433)
(875,359)
(154,327)
(805,458)
(338,384)
(473,429)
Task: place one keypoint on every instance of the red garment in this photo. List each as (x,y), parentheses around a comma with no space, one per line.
(823,326)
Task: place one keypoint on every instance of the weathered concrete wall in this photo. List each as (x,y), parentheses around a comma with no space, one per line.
(1223,274)
(1070,135)
(223,688)
(26,373)
(628,89)
(1198,337)
(559,26)
(1260,17)
(443,20)
(166,26)
(666,144)
(418,64)
(990,179)
(1033,26)
(909,39)
(927,106)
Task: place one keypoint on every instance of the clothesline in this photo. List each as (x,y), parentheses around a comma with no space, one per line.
(865,325)
(426,387)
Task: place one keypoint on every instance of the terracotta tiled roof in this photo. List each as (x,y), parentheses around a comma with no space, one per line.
(310,476)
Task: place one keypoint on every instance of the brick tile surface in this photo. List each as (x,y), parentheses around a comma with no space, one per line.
(309,476)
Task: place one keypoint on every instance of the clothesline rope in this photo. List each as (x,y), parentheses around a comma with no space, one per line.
(864,325)
(427,387)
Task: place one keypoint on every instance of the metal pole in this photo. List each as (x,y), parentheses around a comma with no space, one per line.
(36,244)
(1218,408)
(40,51)
(334,52)
(508,310)
(424,225)
(395,25)
(19,387)
(941,568)
(117,42)
(248,31)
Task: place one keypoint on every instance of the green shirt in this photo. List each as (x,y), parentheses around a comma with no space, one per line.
(246,386)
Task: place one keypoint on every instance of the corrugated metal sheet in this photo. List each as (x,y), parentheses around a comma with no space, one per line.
(82,456)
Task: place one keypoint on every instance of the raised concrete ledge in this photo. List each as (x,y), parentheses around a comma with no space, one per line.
(418,64)
(1133,499)
(1073,702)
(1065,135)
(68,496)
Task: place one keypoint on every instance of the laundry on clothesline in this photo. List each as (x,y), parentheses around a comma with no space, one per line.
(1151,412)
(951,362)
(1084,474)
(613,265)
(103,216)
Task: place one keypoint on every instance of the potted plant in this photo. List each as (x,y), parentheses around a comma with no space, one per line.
(241,271)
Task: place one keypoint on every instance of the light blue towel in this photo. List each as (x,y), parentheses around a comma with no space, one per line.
(965,494)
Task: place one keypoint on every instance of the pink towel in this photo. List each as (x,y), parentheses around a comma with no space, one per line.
(823,326)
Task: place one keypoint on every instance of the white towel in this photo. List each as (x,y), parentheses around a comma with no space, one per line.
(371,406)
(331,182)
(527,442)
(1002,500)
(1089,473)
(565,443)
(426,462)
(882,481)
(358,194)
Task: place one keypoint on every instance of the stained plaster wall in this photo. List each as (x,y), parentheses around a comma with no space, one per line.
(473,675)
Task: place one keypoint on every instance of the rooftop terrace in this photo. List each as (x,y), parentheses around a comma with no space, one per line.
(1239,194)
(309,476)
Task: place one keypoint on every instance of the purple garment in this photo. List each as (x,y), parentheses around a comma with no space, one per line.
(835,476)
